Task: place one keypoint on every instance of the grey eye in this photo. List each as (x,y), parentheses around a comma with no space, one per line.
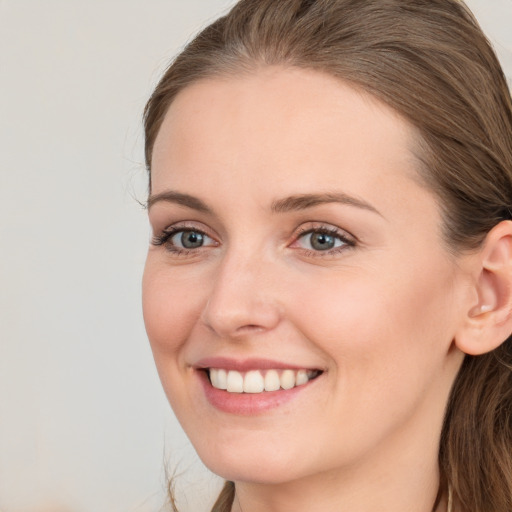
(188,239)
(322,241)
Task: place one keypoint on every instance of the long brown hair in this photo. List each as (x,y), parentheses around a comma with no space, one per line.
(429,60)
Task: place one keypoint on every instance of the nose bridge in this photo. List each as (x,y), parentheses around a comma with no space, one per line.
(242,296)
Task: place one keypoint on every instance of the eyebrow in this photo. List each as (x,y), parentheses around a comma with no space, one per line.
(179,198)
(287,204)
(304,201)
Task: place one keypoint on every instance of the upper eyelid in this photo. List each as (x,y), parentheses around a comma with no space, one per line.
(173,231)
(187,226)
(325,227)
(346,241)
(163,236)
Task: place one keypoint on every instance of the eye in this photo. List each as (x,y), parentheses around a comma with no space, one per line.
(323,239)
(183,240)
(320,241)
(188,239)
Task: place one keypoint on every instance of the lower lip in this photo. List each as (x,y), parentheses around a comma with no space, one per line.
(248,404)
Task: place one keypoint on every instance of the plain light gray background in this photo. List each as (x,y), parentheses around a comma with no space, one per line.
(84,425)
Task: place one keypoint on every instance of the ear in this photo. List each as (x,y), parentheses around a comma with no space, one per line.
(488,322)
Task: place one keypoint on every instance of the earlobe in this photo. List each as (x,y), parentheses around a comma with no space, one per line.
(488,323)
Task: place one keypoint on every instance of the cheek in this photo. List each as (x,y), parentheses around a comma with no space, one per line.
(377,327)
(386,343)
(171,307)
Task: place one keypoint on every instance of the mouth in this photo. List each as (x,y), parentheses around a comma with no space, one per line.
(259,381)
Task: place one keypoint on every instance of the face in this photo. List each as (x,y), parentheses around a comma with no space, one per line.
(297,260)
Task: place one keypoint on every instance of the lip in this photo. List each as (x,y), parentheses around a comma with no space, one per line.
(245,365)
(248,404)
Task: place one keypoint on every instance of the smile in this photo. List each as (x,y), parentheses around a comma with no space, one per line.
(259,381)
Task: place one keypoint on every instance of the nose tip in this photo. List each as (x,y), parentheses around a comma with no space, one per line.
(242,301)
(236,319)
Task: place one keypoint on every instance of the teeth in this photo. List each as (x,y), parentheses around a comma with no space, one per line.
(235,382)
(272,382)
(222,377)
(257,381)
(253,382)
(302,378)
(214,377)
(219,378)
(288,379)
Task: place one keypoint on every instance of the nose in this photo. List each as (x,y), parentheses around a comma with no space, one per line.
(243,297)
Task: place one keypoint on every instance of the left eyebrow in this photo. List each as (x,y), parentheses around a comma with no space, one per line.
(304,201)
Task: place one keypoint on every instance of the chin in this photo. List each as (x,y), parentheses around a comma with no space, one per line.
(259,463)
(260,472)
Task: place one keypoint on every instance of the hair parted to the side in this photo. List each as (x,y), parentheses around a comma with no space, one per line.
(429,60)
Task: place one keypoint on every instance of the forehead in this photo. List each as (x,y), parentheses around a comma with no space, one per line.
(291,128)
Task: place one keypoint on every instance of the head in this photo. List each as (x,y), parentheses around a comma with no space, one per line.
(426,73)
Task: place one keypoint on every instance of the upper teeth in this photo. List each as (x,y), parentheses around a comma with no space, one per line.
(257,381)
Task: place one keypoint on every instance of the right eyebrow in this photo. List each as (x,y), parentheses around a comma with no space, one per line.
(187,200)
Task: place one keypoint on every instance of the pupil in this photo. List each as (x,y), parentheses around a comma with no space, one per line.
(191,239)
(322,241)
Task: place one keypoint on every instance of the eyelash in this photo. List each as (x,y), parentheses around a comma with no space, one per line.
(347,242)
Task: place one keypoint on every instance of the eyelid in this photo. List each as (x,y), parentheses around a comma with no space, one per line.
(324,227)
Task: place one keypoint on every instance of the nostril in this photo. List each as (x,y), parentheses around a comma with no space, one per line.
(250,327)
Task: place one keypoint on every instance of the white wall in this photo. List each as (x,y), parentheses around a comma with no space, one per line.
(84,425)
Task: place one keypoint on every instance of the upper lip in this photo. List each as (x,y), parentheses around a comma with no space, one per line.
(245,365)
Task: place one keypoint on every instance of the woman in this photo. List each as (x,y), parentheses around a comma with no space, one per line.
(328,289)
